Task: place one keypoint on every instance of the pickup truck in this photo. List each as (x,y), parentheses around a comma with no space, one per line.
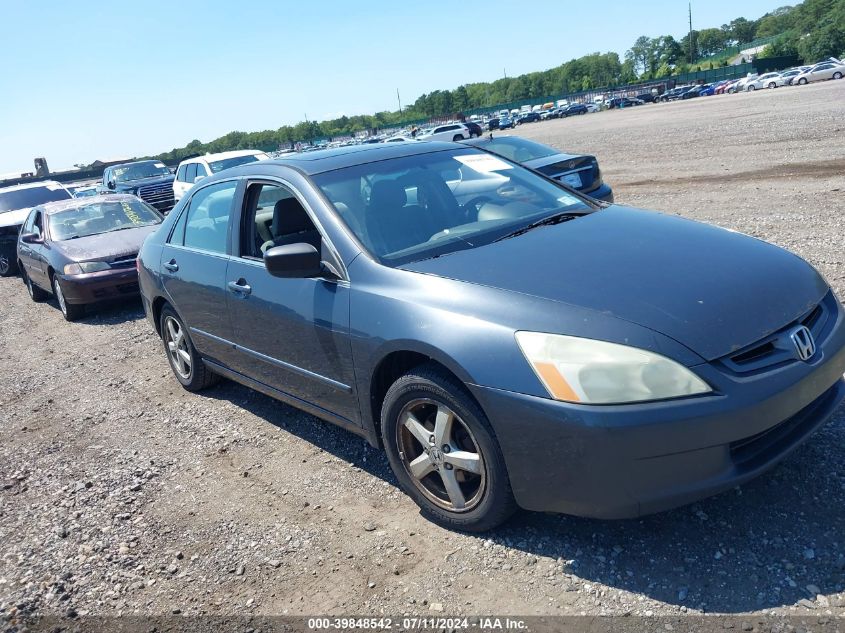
(150,180)
(15,204)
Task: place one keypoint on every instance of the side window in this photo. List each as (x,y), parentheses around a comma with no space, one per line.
(273,216)
(191,172)
(30,223)
(180,173)
(207,217)
(201,170)
(38,224)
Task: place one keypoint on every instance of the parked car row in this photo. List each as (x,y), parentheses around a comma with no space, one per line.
(467,308)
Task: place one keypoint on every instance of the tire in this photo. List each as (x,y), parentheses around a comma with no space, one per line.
(70,311)
(750,89)
(773,85)
(8,264)
(458,137)
(837,75)
(190,371)
(428,393)
(35,293)
(802,81)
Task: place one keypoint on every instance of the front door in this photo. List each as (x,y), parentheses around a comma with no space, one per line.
(193,268)
(291,334)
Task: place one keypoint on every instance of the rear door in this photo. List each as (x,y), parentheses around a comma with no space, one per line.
(193,267)
(291,334)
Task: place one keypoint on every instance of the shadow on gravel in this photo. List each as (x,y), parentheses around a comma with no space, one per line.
(756,547)
(110,312)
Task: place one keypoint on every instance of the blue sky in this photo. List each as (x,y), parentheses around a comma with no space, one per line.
(85,80)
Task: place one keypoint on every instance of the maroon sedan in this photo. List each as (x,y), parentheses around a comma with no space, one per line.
(83,250)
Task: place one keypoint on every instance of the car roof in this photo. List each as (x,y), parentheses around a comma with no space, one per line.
(223,155)
(324,160)
(33,185)
(63,205)
(134,162)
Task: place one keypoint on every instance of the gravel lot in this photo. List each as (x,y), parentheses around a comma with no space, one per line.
(122,493)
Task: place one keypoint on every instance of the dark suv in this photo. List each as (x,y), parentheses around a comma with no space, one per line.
(150,180)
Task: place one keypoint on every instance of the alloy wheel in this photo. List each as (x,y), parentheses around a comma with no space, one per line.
(441,455)
(4,264)
(60,296)
(177,347)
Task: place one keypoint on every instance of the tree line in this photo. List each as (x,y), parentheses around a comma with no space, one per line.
(812,30)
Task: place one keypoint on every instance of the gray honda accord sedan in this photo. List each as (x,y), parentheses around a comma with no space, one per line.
(507,341)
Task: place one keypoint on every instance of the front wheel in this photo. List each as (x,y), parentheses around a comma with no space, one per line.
(8,265)
(458,137)
(837,75)
(186,363)
(750,89)
(802,82)
(773,85)
(444,453)
(70,311)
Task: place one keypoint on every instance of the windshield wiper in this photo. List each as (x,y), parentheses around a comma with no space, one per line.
(557,218)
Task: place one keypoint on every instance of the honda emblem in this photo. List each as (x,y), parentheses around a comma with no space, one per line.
(803,341)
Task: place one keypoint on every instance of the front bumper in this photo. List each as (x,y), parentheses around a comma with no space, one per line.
(100,286)
(625,461)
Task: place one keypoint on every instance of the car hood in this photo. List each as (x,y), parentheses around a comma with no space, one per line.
(143,182)
(715,291)
(14,218)
(105,246)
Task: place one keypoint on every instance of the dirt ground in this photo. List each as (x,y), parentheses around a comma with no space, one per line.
(120,493)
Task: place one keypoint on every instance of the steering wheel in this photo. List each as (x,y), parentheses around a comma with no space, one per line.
(474,205)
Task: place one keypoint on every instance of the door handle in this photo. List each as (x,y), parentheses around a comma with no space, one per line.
(239,287)
(172,266)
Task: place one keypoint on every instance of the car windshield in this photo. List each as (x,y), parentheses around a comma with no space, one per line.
(31,197)
(429,205)
(137,171)
(220,165)
(101,216)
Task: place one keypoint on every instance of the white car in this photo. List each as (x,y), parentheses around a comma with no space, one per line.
(399,138)
(449,132)
(769,80)
(592,107)
(820,72)
(15,204)
(195,169)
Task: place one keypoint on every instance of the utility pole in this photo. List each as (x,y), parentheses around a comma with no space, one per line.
(691,60)
(505,72)
(400,101)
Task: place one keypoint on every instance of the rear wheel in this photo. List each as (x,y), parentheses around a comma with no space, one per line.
(773,85)
(186,363)
(444,453)
(837,75)
(35,293)
(70,311)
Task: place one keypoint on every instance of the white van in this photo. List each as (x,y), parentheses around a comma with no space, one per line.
(195,169)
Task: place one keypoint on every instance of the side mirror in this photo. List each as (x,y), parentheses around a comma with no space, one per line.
(198,178)
(110,184)
(293,261)
(31,238)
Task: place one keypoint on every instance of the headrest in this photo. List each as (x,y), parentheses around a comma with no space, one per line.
(388,194)
(289,217)
(219,207)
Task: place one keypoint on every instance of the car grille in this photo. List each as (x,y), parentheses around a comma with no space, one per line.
(123,262)
(776,349)
(160,196)
(757,450)
(586,166)
(130,288)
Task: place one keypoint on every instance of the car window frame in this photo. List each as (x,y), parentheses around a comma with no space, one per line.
(237,202)
(181,171)
(238,227)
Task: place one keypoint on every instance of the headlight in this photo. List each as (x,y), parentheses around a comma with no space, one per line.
(596,372)
(85,267)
